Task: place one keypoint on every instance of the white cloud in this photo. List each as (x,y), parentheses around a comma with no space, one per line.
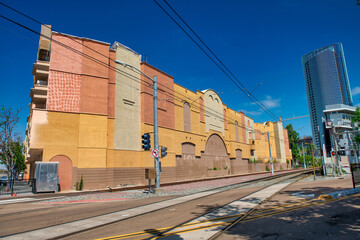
(252,113)
(269,102)
(355,91)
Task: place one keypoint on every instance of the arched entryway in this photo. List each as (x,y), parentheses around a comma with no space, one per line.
(65,171)
(215,154)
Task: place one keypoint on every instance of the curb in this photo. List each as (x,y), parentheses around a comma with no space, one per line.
(339,194)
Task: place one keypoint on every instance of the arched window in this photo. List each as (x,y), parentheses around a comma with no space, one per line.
(187,117)
(236,131)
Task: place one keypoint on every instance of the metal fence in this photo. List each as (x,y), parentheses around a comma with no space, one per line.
(19,187)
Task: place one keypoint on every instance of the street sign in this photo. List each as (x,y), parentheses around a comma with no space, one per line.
(155,153)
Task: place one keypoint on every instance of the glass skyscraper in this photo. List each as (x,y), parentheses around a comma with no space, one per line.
(327,83)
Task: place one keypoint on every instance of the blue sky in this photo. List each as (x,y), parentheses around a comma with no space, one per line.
(259,41)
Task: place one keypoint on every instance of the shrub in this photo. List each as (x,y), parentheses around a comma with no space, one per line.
(79,185)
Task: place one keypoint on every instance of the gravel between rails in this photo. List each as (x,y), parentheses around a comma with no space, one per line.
(174,190)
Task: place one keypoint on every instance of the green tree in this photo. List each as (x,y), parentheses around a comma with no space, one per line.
(19,159)
(10,151)
(356,119)
(293,141)
(18,149)
(310,148)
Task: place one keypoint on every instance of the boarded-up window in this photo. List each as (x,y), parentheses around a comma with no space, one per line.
(236,131)
(187,117)
(238,153)
(188,149)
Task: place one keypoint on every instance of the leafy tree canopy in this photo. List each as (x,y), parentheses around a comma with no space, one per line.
(356,119)
(293,141)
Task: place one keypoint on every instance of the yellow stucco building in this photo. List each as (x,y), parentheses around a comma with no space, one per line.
(89,113)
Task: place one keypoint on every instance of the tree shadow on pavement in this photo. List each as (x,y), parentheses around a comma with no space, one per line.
(157,233)
(333,220)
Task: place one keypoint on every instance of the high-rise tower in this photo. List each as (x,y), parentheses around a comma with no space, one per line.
(327,83)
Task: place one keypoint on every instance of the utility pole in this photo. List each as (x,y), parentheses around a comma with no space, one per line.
(334,135)
(156,134)
(271,161)
(323,159)
(156,127)
(302,144)
(312,156)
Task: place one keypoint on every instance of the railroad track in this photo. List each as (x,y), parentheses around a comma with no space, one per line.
(62,230)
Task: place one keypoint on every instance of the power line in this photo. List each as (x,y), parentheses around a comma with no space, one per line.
(110,67)
(122,72)
(65,35)
(242,88)
(107,56)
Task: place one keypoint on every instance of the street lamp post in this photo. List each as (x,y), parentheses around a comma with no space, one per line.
(156,127)
(271,160)
(302,144)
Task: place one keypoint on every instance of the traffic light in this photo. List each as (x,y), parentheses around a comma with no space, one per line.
(332,153)
(341,153)
(163,151)
(146,141)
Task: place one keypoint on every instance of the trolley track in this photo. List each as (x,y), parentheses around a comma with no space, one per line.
(215,191)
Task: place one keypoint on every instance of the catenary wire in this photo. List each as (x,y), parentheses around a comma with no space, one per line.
(256,101)
(23,14)
(242,85)
(109,57)
(128,75)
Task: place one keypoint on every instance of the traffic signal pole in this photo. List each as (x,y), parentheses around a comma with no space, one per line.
(156,127)
(156,134)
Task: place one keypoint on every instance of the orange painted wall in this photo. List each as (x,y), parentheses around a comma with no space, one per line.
(63,59)
(166,109)
(99,51)
(94,95)
(63,91)
(76,83)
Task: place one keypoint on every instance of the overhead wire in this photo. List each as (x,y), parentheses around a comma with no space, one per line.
(65,35)
(33,19)
(117,70)
(237,82)
(106,65)
(242,85)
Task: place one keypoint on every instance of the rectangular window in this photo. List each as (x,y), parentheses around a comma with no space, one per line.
(44,55)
